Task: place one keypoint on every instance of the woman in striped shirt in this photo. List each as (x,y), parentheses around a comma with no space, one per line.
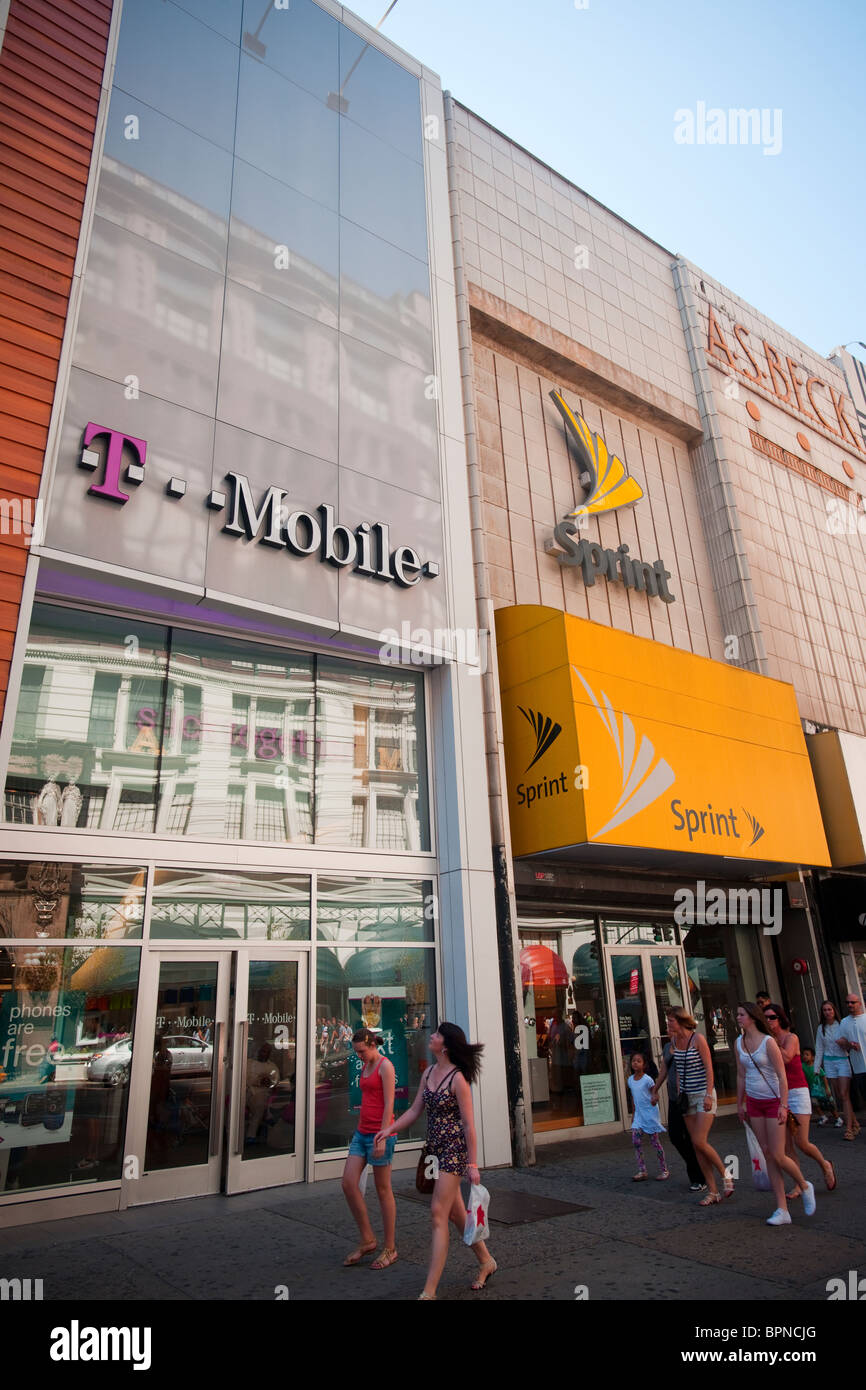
(693,1064)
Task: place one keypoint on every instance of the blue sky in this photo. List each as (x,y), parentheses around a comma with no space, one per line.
(593,93)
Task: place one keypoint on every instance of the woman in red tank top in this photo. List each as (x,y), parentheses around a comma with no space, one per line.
(799,1096)
(377,1081)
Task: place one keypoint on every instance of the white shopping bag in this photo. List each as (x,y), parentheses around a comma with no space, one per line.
(477,1215)
(364,1179)
(760,1176)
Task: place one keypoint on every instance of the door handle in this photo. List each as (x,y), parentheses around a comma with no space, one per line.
(216,1092)
(239,1072)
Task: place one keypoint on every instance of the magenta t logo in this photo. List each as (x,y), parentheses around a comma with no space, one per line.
(110,485)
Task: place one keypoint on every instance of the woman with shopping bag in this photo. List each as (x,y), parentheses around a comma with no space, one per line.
(762,1102)
(445,1093)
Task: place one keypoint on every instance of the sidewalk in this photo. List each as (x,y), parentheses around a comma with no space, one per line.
(634,1241)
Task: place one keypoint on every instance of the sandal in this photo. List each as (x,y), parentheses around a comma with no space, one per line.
(833,1175)
(849,1134)
(729,1188)
(639,1177)
(711,1199)
(663,1177)
(426,1298)
(480,1283)
(387,1257)
(357,1255)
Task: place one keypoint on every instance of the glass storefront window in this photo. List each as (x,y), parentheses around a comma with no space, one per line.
(724,967)
(43,899)
(66,1024)
(391,990)
(374,909)
(371,783)
(158,730)
(85,746)
(616,933)
(181,1087)
(238,744)
(565,1022)
(212,905)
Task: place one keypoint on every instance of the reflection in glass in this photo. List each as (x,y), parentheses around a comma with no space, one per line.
(380,95)
(181,1088)
(374,909)
(205,904)
(287,132)
(283,244)
(299,41)
(183,68)
(385,297)
(269,1077)
(161,311)
(723,968)
(86,741)
(387,420)
(565,1023)
(166,184)
(238,745)
(66,1023)
(617,933)
(393,991)
(382,190)
(43,899)
(278,373)
(371,785)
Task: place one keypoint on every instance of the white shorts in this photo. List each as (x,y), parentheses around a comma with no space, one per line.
(799,1101)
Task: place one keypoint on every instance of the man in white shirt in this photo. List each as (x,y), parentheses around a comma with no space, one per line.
(852,1039)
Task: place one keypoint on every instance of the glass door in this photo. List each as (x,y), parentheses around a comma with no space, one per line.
(269,1069)
(643,983)
(176,1077)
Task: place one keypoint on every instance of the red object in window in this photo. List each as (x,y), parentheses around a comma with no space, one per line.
(541,966)
(634,983)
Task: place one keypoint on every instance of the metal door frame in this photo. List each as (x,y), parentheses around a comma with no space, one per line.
(645,951)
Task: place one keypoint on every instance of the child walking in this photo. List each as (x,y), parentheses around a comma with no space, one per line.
(646,1119)
(823,1104)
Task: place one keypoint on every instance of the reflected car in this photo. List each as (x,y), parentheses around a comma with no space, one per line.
(189,1057)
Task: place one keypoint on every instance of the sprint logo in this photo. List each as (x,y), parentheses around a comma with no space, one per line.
(546,732)
(603,475)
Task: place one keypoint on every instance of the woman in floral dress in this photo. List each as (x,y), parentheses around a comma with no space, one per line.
(445,1092)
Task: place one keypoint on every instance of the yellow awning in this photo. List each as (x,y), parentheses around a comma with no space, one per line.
(616,740)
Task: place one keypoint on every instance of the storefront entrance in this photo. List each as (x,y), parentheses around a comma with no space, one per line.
(217,1073)
(643,982)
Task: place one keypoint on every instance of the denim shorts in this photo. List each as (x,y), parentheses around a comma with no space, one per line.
(362,1147)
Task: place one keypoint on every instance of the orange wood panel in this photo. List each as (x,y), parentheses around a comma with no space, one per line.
(51,66)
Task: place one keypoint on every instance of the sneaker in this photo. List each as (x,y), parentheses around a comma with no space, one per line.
(839,1122)
(779,1218)
(822,1121)
(809,1202)
(697,1187)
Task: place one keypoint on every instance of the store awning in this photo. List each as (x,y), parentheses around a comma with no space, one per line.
(541,966)
(623,750)
(839,767)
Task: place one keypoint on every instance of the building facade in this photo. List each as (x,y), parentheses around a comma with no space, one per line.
(668,536)
(243,815)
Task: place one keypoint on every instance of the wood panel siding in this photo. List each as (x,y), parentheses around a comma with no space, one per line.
(51,66)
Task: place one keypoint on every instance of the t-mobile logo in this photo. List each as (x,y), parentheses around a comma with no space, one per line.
(90,458)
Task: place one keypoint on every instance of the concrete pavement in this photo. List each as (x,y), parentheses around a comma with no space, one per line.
(648,1241)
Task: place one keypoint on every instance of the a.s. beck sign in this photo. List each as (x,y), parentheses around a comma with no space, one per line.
(364,549)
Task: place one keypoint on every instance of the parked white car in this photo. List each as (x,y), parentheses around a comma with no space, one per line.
(189,1057)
